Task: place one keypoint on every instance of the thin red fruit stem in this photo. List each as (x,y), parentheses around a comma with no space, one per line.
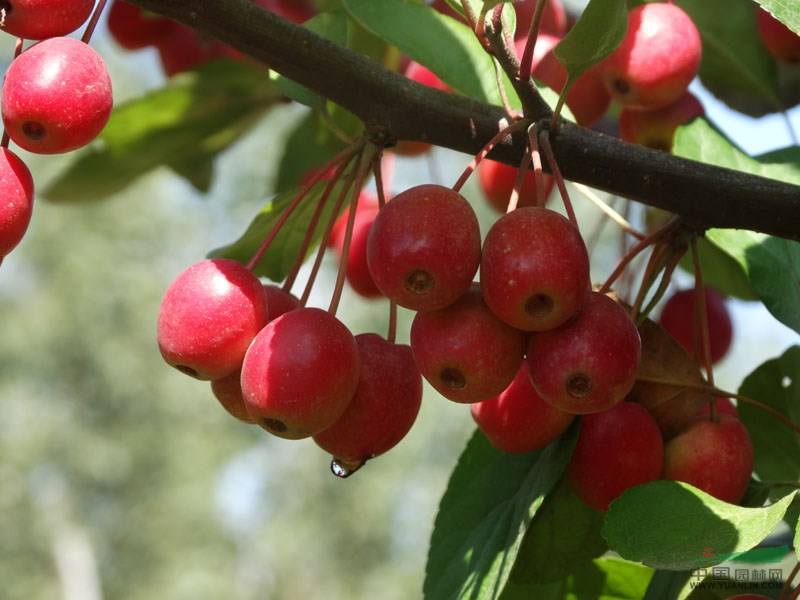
(259,253)
(391,335)
(701,319)
(787,585)
(538,174)
(363,168)
(312,226)
(795,594)
(517,189)
(499,137)
(385,163)
(544,142)
(337,207)
(93,20)
(526,62)
(640,246)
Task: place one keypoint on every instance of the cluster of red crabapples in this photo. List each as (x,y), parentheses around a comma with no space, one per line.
(528,345)
(56,97)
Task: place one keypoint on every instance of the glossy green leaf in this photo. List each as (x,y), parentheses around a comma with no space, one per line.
(547,554)
(310,144)
(674,526)
(735,67)
(596,35)
(773,266)
(702,141)
(195,116)
(490,500)
(601,579)
(331,25)
(445,46)
(776,447)
(279,258)
(786,11)
(720,270)
(666,585)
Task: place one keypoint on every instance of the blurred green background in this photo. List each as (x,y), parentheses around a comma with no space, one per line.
(121,478)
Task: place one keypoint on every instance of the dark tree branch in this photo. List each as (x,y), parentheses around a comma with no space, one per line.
(393,107)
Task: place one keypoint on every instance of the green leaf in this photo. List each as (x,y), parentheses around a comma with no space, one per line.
(785,11)
(489,502)
(674,526)
(776,447)
(720,270)
(331,25)
(195,116)
(602,579)
(547,554)
(310,144)
(596,35)
(702,141)
(667,585)
(735,66)
(443,45)
(279,258)
(773,266)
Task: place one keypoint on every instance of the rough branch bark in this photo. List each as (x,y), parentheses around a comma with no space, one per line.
(391,105)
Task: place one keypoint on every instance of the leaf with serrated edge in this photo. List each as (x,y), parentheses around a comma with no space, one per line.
(675,526)
(776,448)
(490,500)
(786,11)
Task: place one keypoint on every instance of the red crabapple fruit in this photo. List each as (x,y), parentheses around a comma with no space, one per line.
(677,317)
(424,247)
(714,457)
(300,373)
(518,420)
(56,96)
(534,269)
(656,128)
(134,28)
(589,363)
(16,200)
(497,181)
(383,409)
(554,18)
(41,19)
(228,391)
(779,40)
(464,350)
(616,450)
(279,301)
(657,59)
(209,315)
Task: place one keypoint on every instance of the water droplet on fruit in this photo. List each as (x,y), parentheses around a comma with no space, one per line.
(33,130)
(453,378)
(343,469)
(579,385)
(274,425)
(419,282)
(539,306)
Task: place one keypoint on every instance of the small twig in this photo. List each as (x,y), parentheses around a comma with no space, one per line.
(526,62)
